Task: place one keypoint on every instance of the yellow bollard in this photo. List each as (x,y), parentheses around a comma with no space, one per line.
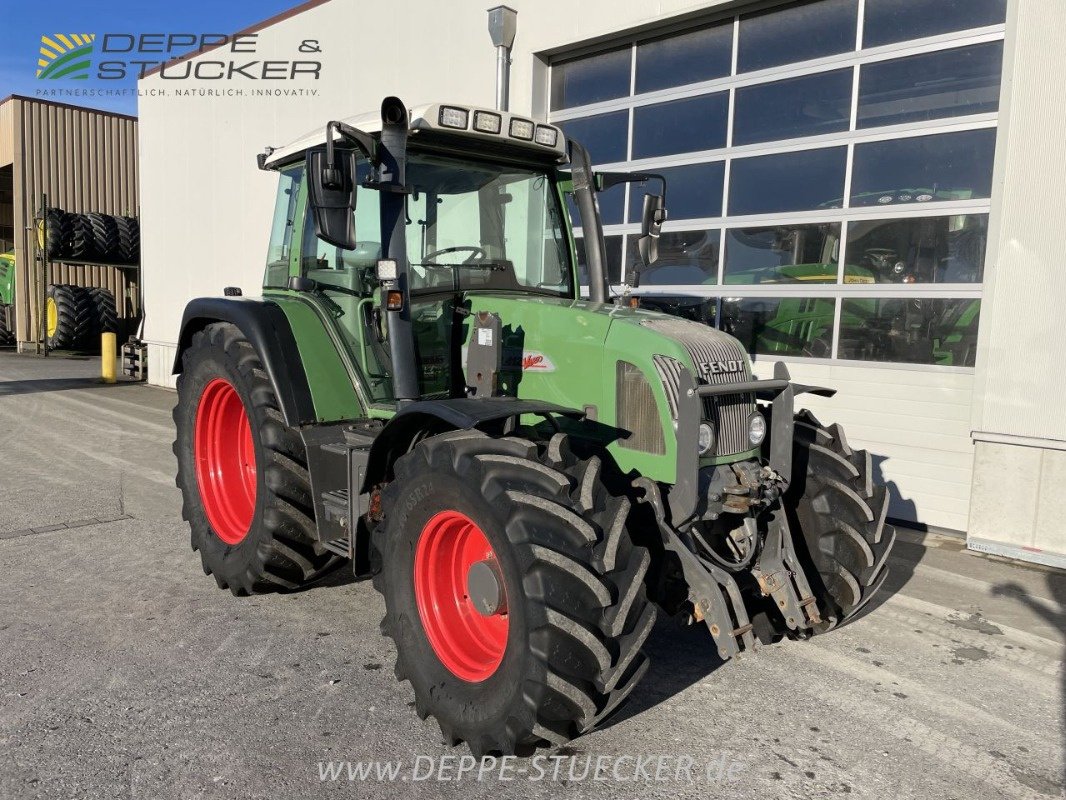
(108,343)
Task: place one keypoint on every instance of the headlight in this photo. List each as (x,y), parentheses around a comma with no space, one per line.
(756,428)
(546,136)
(487,122)
(522,129)
(706,438)
(451,117)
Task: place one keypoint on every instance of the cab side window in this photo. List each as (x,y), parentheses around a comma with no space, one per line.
(280,250)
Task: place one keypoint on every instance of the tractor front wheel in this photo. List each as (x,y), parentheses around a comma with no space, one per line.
(513,592)
(837,515)
(242,471)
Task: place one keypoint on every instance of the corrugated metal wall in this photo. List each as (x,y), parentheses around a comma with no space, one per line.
(84,160)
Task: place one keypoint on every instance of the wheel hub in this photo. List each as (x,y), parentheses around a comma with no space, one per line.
(224,451)
(484,585)
(461,596)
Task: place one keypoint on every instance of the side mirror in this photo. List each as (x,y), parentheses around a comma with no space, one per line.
(651,225)
(331,176)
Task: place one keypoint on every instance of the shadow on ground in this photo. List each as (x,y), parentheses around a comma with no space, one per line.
(1054,613)
(36,385)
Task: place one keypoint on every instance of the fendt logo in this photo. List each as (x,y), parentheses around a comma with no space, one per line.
(65,55)
(721,367)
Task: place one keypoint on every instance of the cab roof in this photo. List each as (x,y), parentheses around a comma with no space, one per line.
(452,122)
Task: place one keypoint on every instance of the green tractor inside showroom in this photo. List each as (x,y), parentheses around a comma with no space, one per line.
(527,471)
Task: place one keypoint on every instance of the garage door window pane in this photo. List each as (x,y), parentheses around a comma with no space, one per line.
(781,326)
(797,33)
(590,80)
(949,166)
(792,108)
(603,135)
(613,245)
(950,83)
(612,205)
(686,258)
(800,181)
(910,331)
(680,126)
(693,192)
(783,254)
(689,58)
(909,251)
(889,21)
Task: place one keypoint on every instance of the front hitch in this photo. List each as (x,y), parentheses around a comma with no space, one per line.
(714,592)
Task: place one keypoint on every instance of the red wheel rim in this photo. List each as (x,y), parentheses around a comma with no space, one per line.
(470,644)
(224,452)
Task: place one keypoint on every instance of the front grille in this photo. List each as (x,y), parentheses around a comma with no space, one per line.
(729,414)
(637,412)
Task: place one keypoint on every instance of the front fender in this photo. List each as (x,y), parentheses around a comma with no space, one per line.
(266,327)
(428,417)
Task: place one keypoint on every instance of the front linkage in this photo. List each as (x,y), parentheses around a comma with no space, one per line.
(754,494)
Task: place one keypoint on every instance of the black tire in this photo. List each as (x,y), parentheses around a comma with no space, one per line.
(577,609)
(74,316)
(280,550)
(105,317)
(837,515)
(129,240)
(82,243)
(56,241)
(105,236)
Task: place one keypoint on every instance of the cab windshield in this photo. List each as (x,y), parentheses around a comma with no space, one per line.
(471,226)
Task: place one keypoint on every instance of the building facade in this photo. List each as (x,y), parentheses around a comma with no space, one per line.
(846,180)
(83,160)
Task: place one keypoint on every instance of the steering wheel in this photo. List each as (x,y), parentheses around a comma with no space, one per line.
(475,253)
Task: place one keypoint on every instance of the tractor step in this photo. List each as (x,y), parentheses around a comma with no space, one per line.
(336,512)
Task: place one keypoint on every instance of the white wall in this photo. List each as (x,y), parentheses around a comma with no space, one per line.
(1019,409)
(206,209)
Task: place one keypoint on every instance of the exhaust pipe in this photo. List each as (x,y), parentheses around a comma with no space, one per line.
(503,25)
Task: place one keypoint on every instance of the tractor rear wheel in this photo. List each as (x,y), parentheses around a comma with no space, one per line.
(242,471)
(513,592)
(837,516)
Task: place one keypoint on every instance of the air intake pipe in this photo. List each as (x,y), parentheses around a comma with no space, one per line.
(503,25)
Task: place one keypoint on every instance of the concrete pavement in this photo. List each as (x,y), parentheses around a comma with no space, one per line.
(125,672)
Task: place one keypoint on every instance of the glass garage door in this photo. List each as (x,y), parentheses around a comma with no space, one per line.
(829,167)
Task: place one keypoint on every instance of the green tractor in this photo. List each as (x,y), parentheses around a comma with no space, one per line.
(527,474)
(7,299)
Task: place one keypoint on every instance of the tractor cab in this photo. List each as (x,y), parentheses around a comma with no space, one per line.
(400,263)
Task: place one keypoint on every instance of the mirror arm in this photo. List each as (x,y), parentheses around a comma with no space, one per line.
(363,141)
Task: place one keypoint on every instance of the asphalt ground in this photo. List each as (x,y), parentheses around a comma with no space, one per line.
(125,672)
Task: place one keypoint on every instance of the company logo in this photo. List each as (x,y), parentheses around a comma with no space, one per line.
(65,55)
(123,56)
(529,361)
(721,367)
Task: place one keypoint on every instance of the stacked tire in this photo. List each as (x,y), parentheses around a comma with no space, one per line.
(76,316)
(103,238)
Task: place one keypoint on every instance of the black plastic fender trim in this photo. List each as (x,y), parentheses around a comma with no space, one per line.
(266,327)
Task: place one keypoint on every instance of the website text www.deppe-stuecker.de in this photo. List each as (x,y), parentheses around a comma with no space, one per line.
(718,767)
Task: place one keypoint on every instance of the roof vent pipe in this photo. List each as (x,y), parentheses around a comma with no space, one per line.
(503,25)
